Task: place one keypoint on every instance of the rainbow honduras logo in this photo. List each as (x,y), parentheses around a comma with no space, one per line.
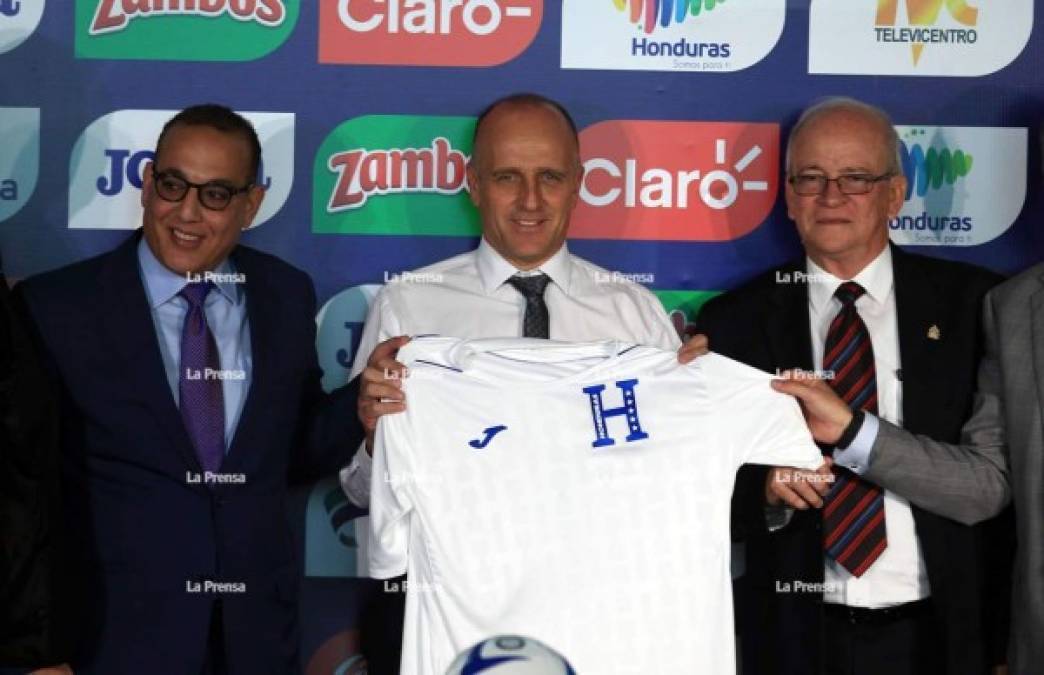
(933,168)
(947,203)
(644,12)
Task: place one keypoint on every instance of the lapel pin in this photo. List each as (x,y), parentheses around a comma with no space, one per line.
(934,333)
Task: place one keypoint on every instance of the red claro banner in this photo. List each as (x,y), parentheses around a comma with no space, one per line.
(676,181)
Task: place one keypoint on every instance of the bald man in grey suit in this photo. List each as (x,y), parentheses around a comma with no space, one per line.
(1000,458)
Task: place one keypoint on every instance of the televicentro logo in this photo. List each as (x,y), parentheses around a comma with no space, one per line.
(923,14)
(965,185)
(686,181)
(432,33)
(190,30)
(395,174)
(916,37)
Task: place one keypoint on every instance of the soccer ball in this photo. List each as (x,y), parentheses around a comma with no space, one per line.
(510,655)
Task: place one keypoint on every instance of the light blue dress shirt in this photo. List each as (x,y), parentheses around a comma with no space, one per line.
(225,308)
(856,457)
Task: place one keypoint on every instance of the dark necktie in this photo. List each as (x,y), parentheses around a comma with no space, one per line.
(853,513)
(201,400)
(536,322)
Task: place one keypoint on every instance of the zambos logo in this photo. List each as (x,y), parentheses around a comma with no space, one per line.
(107,161)
(430,33)
(695,35)
(684,181)
(947,202)
(395,174)
(644,12)
(917,37)
(18,20)
(183,30)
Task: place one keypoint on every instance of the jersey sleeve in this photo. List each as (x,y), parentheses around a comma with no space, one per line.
(762,425)
(390,503)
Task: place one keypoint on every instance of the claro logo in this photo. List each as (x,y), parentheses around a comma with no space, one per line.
(685,181)
(433,33)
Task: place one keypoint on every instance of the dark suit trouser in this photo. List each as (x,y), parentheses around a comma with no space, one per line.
(907,646)
(215,663)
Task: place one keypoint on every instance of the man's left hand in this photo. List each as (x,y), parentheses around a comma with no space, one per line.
(695,346)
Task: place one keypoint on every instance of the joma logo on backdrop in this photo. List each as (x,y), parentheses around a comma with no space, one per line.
(108,159)
(128,163)
(10,8)
(115,15)
(430,33)
(687,181)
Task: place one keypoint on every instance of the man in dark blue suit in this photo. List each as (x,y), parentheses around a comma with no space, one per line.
(190,395)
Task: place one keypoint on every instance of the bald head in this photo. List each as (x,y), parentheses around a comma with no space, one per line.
(524,105)
(842,107)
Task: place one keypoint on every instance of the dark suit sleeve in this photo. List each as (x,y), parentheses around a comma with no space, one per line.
(330,428)
(33,623)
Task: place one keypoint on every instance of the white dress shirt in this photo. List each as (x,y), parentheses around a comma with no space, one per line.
(466,296)
(898,575)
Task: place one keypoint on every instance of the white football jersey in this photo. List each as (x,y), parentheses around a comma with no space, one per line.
(576,493)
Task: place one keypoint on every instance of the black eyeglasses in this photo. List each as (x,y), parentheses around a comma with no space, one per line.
(808,184)
(213,195)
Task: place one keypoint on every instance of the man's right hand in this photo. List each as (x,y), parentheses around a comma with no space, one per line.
(381,392)
(798,489)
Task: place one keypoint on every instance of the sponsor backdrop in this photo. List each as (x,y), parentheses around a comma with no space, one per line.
(365,110)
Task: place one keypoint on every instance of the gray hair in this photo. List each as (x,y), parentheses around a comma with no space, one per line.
(848,104)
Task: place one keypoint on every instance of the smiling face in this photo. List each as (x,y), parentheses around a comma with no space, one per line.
(524,178)
(843,233)
(186,236)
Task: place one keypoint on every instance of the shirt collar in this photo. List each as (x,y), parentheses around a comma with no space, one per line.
(161,284)
(876,278)
(494,270)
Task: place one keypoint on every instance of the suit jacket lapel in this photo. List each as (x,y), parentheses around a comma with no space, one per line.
(127,319)
(921,337)
(786,324)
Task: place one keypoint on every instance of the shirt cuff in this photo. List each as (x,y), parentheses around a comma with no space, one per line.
(355,478)
(856,457)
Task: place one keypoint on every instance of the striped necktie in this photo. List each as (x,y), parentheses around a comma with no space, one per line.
(853,513)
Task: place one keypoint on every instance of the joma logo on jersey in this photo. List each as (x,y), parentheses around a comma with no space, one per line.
(437,169)
(922,13)
(10,8)
(600,415)
(125,166)
(428,32)
(115,15)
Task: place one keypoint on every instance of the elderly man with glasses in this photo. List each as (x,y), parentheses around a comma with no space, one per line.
(842,576)
(190,392)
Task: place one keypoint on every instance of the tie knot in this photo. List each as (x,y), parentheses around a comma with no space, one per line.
(849,292)
(195,292)
(531,286)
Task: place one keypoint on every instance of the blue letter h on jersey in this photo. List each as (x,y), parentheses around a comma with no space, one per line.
(599,413)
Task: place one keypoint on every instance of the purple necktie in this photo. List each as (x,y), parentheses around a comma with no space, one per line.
(202,403)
